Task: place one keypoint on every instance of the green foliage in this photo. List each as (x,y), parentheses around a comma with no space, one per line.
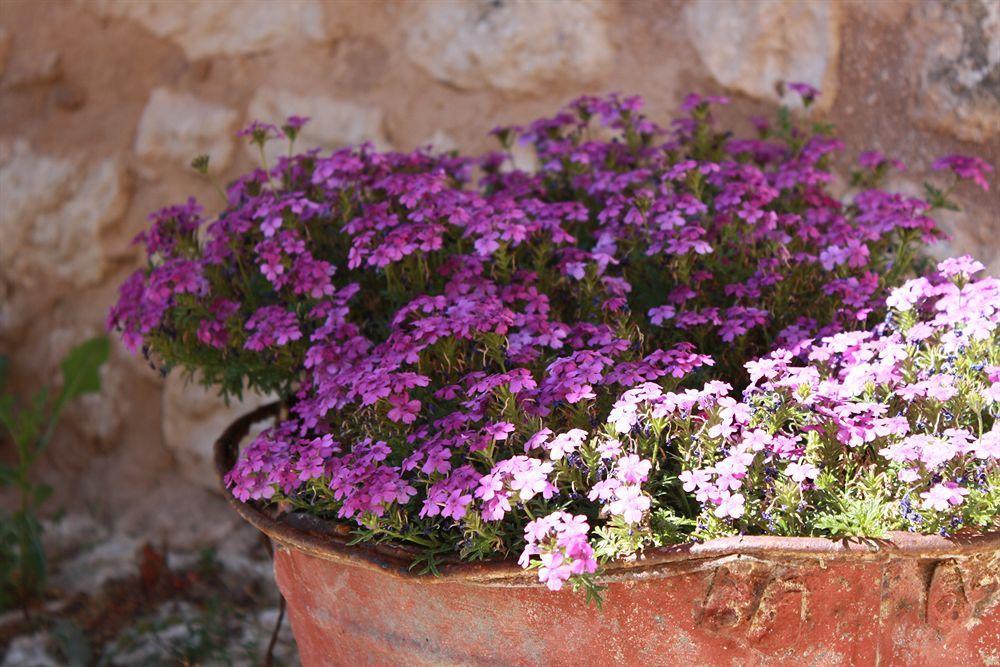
(862,508)
(594,591)
(29,428)
(939,198)
(982,506)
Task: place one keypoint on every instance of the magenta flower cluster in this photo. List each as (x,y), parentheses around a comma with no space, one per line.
(449,332)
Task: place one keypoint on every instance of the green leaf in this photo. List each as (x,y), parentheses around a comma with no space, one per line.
(7,414)
(81,368)
(42,493)
(32,563)
(4,370)
(200,164)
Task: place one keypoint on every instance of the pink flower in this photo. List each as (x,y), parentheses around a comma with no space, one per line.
(800,472)
(539,440)
(943,496)
(564,443)
(731,505)
(533,481)
(694,479)
(632,470)
(605,490)
(555,570)
(560,542)
(609,448)
(730,412)
(988,446)
(629,503)
(730,473)
(905,297)
(964,266)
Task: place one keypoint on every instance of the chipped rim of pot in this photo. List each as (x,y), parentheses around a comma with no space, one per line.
(330,540)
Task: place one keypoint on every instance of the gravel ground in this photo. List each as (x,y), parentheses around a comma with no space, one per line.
(116,601)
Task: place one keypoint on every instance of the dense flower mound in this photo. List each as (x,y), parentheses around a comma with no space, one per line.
(449,332)
(858,433)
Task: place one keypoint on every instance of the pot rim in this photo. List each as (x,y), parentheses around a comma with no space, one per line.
(331,541)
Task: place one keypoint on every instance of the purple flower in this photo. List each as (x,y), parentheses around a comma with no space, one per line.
(455,506)
(807,92)
(874,160)
(491,344)
(967,168)
(296,122)
(271,326)
(499,430)
(403,409)
(259,133)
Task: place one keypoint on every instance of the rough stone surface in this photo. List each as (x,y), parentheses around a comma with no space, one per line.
(753,47)
(193,419)
(511,45)
(180,625)
(53,215)
(131,597)
(223,27)
(176,127)
(34,650)
(957,46)
(111,557)
(333,123)
(4,49)
(54,212)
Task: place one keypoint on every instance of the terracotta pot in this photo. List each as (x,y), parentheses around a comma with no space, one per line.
(905,600)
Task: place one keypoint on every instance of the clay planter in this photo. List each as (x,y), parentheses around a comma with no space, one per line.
(906,600)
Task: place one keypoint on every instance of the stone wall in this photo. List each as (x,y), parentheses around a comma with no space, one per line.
(103,103)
